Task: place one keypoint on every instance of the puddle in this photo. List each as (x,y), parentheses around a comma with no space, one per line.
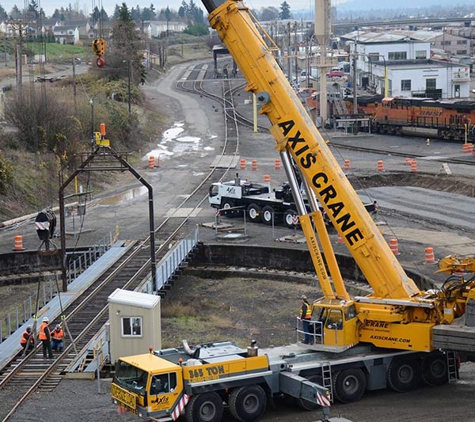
(124,196)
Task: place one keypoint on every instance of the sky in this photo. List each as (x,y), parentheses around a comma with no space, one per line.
(109,5)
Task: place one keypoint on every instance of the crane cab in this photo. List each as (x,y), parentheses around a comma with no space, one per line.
(333,326)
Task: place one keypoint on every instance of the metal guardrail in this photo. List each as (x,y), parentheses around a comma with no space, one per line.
(48,290)
(171,262)
(86,259)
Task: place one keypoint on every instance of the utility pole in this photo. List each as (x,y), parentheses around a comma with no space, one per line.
(322,34)
(18,26)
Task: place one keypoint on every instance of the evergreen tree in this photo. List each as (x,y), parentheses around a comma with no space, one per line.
(284,11)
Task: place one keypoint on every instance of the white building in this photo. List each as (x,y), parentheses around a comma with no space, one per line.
(404,66)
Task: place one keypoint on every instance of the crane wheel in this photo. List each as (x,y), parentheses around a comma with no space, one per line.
(207,407)
(289,218)
(349,385)
(226,208)
(435,369)
(268,214)
(248,404)
(404,374)
(254,213)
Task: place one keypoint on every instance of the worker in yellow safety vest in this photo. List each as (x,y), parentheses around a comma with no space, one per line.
(306,316)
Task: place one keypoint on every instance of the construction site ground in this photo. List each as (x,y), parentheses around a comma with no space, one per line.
(244,306)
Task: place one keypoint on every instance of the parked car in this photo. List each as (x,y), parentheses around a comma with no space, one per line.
(335,74)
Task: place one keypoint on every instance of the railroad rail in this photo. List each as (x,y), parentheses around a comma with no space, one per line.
(378,151)
(88,313)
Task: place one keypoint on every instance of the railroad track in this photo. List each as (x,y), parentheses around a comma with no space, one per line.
(194,84)
(378,151)
(20,378)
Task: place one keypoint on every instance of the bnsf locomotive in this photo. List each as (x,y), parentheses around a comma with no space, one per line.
(445,119)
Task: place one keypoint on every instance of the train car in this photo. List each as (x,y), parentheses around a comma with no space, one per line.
(444,119)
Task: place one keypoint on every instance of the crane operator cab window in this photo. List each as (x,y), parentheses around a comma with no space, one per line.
(334,319)
(163,384)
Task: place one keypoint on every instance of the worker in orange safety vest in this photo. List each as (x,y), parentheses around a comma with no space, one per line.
(57,338)
(27,340)
(45,337)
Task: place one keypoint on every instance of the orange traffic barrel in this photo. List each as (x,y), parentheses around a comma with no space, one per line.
(18,243)
(254,164)
(267,178)
(242,164)
(468,147)
(347,164)
(277,163)
(414,165)
(430,258)
(151,162)
(394,246)
(380,165)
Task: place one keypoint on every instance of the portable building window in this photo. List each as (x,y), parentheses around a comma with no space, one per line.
(131,326)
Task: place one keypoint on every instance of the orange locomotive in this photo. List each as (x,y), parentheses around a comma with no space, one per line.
(445,119)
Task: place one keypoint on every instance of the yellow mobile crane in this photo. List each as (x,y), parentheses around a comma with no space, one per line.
(359,343)
(397,315)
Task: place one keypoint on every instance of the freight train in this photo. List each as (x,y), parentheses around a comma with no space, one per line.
(444,119)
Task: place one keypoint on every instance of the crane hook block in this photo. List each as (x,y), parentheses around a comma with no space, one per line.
(99,47)
(100,62)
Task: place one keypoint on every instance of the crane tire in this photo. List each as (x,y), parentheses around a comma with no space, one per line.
(248,403)
(435,369)
(289,218)
(206,407)
(254,213)
(349,385)
(404,374)
(268,214)
(226,206)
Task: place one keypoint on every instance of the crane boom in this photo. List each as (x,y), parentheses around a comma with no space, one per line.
(294,132)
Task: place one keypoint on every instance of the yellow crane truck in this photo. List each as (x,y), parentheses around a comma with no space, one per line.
(163,385)
(390,338)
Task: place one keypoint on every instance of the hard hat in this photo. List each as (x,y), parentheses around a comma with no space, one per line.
(303,297)
(57,327)
(45,319)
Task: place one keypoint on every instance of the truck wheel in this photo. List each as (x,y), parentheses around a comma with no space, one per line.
(254,213)
(225,206)
(268,214)
(349,385)
(248,404)
(207,407)
(289,218)
(435,369)
(404,374)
